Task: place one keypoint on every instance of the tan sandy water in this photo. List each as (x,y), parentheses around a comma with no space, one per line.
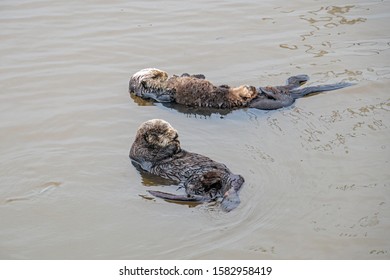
(317,173)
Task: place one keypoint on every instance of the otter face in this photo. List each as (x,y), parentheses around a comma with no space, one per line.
(147,79)
(155,140)
(244,93)
(158,134)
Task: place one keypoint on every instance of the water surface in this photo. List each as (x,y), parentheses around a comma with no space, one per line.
(317,173)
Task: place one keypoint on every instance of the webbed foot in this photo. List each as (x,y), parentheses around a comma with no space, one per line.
(297,81)
(175,197)
(297,93)
(230,200)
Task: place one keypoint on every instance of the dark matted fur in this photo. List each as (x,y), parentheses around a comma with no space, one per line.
(157,150)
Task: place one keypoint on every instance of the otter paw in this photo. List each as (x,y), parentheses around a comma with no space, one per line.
(247,92)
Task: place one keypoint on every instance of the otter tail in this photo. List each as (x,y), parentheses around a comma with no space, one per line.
(174,197)
(300,92)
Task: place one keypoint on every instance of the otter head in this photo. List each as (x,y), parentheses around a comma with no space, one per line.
(159,133)
(243,94)
(155,140)
(147,80)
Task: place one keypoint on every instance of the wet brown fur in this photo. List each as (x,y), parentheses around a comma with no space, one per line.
(157,150)
(190,90)
(194,92)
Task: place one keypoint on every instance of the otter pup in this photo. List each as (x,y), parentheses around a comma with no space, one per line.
(195,91)
(157,150)
(189,90)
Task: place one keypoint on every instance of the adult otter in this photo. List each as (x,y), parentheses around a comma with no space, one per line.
(195,91)
(157,150)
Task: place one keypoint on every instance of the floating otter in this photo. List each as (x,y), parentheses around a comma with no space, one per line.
(189,90)
(195,91)
(157,150)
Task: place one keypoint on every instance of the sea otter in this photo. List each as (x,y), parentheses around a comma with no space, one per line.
(157,150)
(189,90)
(196,91)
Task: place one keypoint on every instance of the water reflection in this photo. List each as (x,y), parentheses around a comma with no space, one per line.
(295,189)
(198,111)
(320,19)
(141,101)
(313,133)
(323,20)
(188,111)
(338,11)
(337,17)
(149,179)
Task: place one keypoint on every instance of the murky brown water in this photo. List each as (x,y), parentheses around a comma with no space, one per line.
(317,173)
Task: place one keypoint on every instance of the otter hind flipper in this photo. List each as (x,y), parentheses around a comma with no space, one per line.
(297,93)
(230,200)
(175,197)
(297,81)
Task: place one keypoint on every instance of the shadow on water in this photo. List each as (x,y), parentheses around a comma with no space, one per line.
(203,112)
(188,111)
(151,180)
